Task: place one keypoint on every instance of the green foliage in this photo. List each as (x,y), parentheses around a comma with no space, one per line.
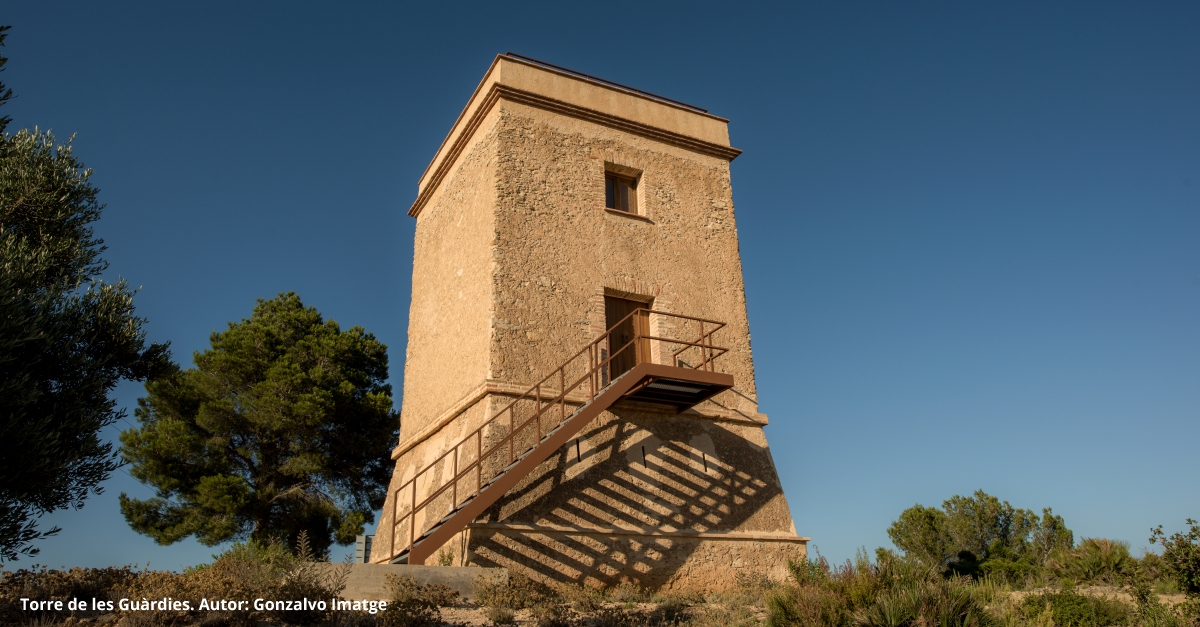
(984,526)
(921,532)
(1181,556)
(979,534)
(807,605)
(1095,560)
(1151,611)
(1050,536)
(944,602)
(1070,609)
(822,595)
(5,93)
(891,592)
(66,337)
(283,426)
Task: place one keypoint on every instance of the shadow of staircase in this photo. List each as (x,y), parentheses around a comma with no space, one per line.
(534,429)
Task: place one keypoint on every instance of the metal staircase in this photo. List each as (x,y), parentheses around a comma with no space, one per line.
(674,365)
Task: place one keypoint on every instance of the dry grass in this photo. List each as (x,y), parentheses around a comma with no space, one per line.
(856,594)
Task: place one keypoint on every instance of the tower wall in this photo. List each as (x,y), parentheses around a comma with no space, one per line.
(449,339)
(515,253)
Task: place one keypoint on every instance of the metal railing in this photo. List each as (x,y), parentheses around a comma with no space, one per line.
(488,451)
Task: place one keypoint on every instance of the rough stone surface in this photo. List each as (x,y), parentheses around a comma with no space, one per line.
(514,254)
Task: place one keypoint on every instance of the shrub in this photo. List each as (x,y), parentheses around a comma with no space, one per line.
(893,592)
(1181,556)
(945,602)
(627,592)
(1095,560)
(550,614)
(411,605)
(582,598)
(612,617)
(1150,611)
(1070,609)
(723,617)
(748,590)
(356,619)
(807,605)
(517,593)
(501,615)
(43,583)
(673,608)
(245,572)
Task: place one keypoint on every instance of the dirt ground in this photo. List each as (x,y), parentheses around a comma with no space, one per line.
(1111,592)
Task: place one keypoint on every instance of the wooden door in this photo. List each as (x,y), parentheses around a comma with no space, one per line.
(621,343)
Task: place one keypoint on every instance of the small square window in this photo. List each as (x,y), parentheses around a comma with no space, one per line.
(620,192)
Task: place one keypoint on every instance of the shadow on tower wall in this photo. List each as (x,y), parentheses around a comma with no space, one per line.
(634,470)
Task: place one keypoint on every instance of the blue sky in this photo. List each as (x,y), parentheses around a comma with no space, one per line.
(970,232)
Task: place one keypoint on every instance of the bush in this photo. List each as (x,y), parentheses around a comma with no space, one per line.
(723,617)
(246,572)
(748,590)
(517,593)
(501,616)
(673,609)
(946,602)
(627,592)
(43,583)
(612,617)
(1150,611)
(806,605)
(1070,609)
(893,592)
(550,614)
(1095,560)
(1181,556)
(411,605)
(582,598)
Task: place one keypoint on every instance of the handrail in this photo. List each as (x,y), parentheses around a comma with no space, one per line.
(598,376)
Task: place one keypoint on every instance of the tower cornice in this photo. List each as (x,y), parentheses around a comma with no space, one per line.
(523,82)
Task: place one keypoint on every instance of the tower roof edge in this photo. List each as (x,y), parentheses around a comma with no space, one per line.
(537,83)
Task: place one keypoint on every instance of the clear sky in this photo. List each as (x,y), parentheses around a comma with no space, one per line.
(970,231)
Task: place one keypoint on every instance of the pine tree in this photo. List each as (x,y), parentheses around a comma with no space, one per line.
(284,425)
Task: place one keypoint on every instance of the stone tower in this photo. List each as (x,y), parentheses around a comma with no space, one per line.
(579,396)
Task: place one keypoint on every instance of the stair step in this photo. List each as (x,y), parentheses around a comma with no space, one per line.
(403,557)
